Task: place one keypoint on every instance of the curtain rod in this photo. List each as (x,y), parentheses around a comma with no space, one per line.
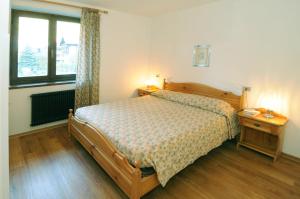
(69,5)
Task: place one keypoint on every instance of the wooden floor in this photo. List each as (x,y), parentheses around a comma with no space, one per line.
(50,165)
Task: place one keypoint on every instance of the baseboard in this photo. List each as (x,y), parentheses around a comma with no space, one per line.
(38,130)
(290,157)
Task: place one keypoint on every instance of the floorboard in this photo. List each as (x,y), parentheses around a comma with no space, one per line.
(50,165)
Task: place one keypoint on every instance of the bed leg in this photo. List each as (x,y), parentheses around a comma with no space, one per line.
(69,122)
(136,192)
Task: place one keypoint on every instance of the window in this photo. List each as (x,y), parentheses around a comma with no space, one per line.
(44,48)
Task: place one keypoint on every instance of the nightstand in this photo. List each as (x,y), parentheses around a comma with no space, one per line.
(147,90)
(261,134)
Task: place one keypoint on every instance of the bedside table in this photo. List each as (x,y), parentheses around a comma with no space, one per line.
(147,90)
(261,134)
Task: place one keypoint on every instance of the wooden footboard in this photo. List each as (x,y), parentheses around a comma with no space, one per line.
(128,177)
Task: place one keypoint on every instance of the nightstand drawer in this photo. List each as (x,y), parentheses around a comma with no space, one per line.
(261,126)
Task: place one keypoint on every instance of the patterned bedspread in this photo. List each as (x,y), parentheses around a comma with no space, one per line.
(163,134)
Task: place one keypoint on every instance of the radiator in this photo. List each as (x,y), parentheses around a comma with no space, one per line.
(51,107)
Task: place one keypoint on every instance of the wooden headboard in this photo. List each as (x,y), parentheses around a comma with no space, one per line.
(236,101)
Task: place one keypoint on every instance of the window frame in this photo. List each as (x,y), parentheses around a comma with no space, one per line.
(51,76)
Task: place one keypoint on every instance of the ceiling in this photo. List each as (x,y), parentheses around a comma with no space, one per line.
(146,7)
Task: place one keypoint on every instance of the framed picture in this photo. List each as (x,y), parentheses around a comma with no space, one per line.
(201,55)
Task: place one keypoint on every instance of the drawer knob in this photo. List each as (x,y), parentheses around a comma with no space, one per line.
(257,125)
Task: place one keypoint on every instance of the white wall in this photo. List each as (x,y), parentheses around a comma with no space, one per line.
(124,60)
(4,55)
(254,43)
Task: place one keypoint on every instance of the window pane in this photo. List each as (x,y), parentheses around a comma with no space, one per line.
(32,47)
(67,43)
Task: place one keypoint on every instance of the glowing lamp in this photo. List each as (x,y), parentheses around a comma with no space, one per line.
(272,102)
(153,81)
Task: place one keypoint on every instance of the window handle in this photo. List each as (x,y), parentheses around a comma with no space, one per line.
(52,53)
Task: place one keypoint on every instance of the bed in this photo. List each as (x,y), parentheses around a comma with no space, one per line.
(143,142)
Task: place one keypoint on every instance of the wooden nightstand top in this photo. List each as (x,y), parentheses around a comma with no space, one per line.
(149,89)
(278,120)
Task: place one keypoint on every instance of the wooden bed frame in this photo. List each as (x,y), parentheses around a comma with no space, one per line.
(129,177)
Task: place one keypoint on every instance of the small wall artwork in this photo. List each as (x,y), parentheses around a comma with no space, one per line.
(201,55)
